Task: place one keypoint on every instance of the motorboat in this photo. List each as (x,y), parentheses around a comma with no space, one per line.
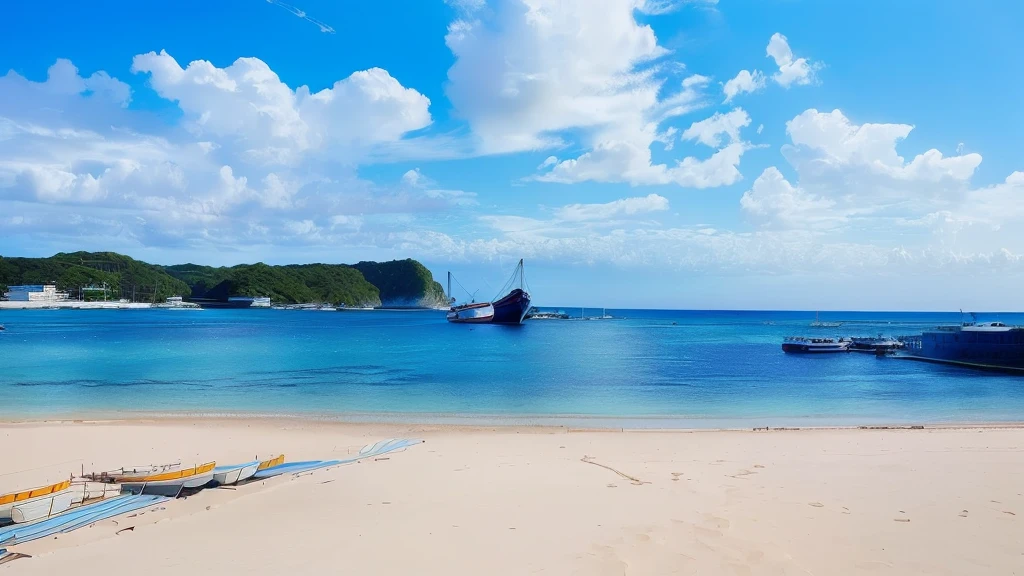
(801,345)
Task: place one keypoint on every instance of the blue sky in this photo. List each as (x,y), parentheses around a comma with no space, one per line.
(677,154)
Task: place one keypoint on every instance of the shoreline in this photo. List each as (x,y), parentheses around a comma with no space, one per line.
(579,423)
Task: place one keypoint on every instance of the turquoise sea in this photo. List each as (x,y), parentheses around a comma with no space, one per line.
(645,369)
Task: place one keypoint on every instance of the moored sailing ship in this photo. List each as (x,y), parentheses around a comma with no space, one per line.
(508,309)
(512,307)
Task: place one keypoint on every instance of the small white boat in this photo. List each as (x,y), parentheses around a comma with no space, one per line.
(819,324)
(168,480)
(37,503)
(801,345)
(235,473)
(479,312)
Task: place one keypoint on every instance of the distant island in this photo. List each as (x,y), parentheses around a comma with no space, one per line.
(102,275)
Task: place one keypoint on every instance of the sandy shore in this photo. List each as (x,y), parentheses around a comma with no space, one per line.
(546,501)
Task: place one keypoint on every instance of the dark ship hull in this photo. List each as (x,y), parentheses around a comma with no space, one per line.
(992,347)
(509,309)
(512,308)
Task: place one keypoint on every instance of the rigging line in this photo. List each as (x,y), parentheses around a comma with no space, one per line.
(461,286)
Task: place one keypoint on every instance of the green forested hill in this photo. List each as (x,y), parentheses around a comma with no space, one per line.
(295,283)
(124,277)
(396,283)
(403,283)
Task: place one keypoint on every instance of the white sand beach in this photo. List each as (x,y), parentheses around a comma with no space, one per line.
(518,501)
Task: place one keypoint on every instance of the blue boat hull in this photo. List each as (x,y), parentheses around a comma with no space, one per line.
(992,350)
(512,308)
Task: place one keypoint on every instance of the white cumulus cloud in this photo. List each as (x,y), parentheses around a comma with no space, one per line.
(744,81)
(710,130)
(247,102)
(791,70)
(530,72)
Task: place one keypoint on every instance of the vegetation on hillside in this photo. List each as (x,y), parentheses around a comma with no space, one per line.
(396,283)
(331,283)
(403,283)
(77,272)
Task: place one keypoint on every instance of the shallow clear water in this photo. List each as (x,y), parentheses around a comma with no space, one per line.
(653,368)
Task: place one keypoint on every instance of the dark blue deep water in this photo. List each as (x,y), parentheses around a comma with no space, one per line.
(652,368)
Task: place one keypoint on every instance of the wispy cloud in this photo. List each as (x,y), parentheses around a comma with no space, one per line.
(324,27)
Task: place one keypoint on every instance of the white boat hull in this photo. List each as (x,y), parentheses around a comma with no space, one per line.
(235,474)
(475,314)
(32,510)
(167,487)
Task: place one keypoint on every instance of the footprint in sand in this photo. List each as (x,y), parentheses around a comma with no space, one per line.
(962,514)
(676,475)
(816,504)
(758,466)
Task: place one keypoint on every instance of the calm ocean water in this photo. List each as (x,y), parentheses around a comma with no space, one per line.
(652,368)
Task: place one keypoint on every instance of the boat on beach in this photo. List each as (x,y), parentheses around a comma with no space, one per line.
(801,345)
(169,480)
(36,503)
(235,473)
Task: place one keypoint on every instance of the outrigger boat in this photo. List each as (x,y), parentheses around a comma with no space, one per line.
(235,473)
(37,503)
(160,480)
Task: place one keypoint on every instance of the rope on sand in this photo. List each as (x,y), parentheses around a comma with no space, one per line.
(635,481)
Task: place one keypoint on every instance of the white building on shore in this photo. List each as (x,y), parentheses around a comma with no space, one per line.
(35,293)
